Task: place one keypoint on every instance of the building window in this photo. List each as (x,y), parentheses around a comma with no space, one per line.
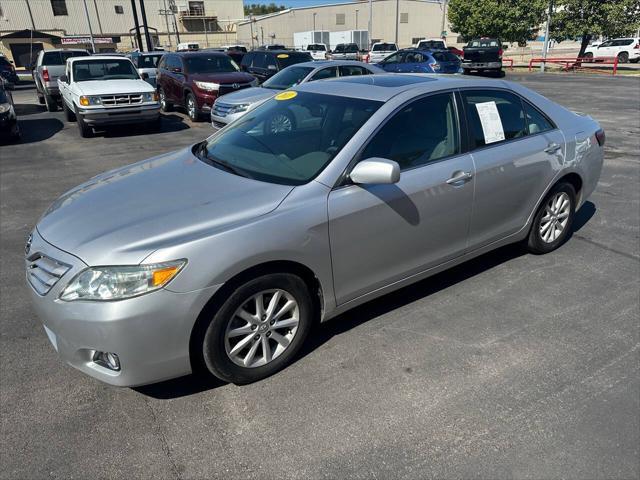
(404,18)
(339,18)
(196,9)
(119,9)
(59,7)
(415,40)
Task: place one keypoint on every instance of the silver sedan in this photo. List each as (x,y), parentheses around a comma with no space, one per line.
(234,105)
(221,256)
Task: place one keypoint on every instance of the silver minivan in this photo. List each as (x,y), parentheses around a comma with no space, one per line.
(220,257)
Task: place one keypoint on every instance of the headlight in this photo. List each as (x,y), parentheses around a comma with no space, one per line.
(207,86)
(150,97)
(86,101)
(239,108)
(5,107)
(254,82)
(117,283)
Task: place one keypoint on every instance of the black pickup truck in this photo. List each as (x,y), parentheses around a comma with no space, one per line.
(483,55)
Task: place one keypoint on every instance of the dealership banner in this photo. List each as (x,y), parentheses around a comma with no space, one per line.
(83,40)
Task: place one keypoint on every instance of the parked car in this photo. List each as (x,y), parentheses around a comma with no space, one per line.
(625,49)
(194,80)
(8,71)
(318,51)
(49,65)
(413,60)
(456,51)
(346,51)
(147,65)
(235,105)
(234,48)
(9,128)
(483,55)
(273,46)
(431,44)
(379,51)
(188,47)
(383,181)
(265,64)
(102,90)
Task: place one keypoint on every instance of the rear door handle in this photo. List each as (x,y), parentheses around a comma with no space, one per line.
(459,177)
(552,148)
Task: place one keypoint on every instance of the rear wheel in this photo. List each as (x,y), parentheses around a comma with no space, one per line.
(554,220)
(51,103)
(623,57)
(259,328)
(588,56)
(40,98)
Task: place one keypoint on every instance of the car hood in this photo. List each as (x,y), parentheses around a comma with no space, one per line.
(230,77)
(122,216)
(249,95)
(112,87)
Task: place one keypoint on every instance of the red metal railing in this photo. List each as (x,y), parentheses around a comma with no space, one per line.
(572,64)
(509,61)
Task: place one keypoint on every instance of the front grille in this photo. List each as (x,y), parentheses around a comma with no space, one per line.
(121,100)
(221,109)
(229,87)
(219,124)
(44,272)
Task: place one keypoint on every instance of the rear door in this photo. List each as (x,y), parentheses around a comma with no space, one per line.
(392,63)
(517,151)
(413,62)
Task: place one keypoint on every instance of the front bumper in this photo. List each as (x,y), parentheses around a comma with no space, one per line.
(218,121)
(150,334)
(120,115)
(8,122)
(481,65)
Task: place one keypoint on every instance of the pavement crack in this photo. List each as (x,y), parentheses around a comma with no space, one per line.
(163,441)
(609,249)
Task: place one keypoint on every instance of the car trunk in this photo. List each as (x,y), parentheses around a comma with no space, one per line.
(481,54)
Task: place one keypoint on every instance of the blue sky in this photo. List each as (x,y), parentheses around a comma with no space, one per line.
(295,3)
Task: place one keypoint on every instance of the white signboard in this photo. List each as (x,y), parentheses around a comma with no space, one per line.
(84,40)
(491,123)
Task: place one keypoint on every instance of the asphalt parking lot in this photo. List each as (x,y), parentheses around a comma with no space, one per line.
(510,366)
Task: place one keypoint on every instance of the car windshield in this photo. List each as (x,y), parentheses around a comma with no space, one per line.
(384,47)
(148,61)
(317,47)
(286,59)
(60,58)
(288,139)
(210,64)
(85,70)
(484,42)
(287,78)
(431,44)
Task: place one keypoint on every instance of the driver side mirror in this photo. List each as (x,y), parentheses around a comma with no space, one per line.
(63,79)
(375,171)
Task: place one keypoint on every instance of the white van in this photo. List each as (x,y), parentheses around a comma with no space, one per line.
(188,47)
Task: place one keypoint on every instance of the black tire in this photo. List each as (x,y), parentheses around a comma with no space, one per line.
(588,56)
(40,98)
(85,130)
(165,105)
(50,102)
(68,114)
(623,57)
(635,60)
(466,71)
(535,242)
(212,346)
(192,111)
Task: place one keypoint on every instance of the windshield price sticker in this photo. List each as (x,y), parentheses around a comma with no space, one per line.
(491,123)
(283,55)
(286,95)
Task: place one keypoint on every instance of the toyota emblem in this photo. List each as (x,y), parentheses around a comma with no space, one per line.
(236,86)
(27,246)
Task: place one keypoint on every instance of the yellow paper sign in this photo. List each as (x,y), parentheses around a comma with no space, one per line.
(283,55)
(286,95)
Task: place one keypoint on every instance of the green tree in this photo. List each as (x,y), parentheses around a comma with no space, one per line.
(585,19)
(262,9)
(508,20)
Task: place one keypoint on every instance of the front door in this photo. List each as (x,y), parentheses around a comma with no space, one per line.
(381,234)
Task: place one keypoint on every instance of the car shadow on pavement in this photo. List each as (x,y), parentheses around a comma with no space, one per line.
(37,130)
(24,109)
(170,123)
(322,333)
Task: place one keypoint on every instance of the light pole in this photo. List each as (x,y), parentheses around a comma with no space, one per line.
(444,16)
(86,12)
(314,21)
(397,18)
(356,18)
(545,48)
(370,26)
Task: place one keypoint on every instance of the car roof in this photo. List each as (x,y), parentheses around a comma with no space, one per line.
(383,87)
(200,52)
(91,58)
(65,50)
(328,63)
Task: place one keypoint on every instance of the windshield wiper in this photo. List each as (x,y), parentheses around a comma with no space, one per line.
(203,153)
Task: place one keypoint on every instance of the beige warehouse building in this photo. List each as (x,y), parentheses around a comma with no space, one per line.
(416,19)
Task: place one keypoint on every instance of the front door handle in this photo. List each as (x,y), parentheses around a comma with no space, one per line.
(459,177)
(552,148)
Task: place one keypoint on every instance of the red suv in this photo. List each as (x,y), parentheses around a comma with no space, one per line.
(195,79)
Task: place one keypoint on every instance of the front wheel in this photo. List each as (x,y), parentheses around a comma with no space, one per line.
(554,220)
(85,130)
(192,108)
(259,328)
(68,113)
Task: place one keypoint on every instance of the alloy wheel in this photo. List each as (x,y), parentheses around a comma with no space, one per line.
(555,218)
(191,107)
(280,123)
(262,328)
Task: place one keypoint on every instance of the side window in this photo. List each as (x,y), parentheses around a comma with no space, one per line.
(351,70)
(494,116)
(162,63)
(414,57)
(421,132)
(394,58)
(271,61)
(536,121)
(246,60)
(325,73)
(259,60)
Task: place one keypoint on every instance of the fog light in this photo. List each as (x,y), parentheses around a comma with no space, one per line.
(107,359)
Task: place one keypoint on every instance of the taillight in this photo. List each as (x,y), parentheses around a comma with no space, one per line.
(601,137)
(637,45)
(45,74)
(367,58)
(500,53)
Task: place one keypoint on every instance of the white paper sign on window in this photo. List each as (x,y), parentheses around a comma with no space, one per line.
(491,123)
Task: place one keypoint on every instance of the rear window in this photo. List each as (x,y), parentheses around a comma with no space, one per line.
(317,47)
(210,64)
(60,58)
(286,59)
(148,61)
(431,44)
(484,42)
(445,57)
(384,47)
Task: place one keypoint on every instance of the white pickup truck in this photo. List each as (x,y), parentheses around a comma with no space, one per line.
(106,90)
